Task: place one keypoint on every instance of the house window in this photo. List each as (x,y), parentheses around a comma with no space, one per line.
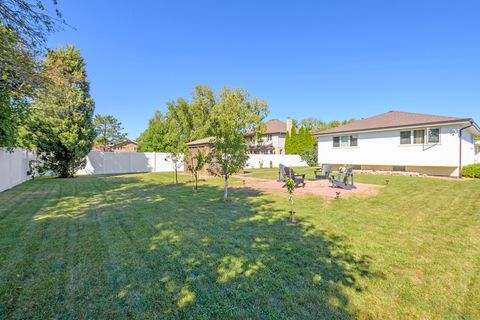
(419,136)
(433,135)
(269,137)
(353,141)
(405,137)
(345,141)
(336,142)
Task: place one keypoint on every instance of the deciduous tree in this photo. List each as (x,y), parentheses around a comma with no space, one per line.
(153,139)
(16,88)
(24,27)
(310,156)
(197,161)
(233,115)
(30,20)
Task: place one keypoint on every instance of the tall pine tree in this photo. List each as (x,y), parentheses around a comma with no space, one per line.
(62,124)
(293,141)
(301,142)
(287,143)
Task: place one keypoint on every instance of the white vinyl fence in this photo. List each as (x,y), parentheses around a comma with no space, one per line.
(128,162)
(273,160)
(14,167)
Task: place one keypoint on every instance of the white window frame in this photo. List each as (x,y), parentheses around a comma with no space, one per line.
(425,137)
(348,141)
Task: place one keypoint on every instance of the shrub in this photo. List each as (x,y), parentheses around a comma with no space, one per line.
(310,156)
(471,171)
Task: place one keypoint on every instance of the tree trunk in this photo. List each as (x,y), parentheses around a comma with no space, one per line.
(196,182)
(225,193)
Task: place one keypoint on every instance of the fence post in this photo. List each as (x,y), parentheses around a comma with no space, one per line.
(154,161)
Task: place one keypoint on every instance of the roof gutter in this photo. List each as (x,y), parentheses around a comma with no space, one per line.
(390,128)
(460,148)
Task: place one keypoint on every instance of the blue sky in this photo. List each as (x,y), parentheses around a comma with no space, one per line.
(325,59)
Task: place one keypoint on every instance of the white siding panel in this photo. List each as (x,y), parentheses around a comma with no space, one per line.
(383,148)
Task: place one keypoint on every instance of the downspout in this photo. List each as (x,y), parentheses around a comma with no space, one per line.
(460,149)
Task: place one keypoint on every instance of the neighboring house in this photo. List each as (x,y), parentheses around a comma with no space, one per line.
(402,141)
(125,146)
(272,141)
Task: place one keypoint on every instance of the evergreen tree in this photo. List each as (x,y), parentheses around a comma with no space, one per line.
(309,140)
(62,124)
(298,142)
(287,143)
(108,131)
(293,141)
(301,142)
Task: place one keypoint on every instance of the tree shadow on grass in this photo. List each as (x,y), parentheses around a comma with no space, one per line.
(156,250)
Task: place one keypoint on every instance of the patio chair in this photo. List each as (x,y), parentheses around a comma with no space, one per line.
(343,183)
(324,172)
(287,172)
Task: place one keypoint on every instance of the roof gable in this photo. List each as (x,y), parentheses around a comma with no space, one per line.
(391,119)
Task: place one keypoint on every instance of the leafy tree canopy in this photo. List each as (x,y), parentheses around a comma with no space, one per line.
(30,20)
(233,115)
(315,125)
(16,87)
(153,138)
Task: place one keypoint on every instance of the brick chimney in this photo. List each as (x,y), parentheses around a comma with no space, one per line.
(289,124)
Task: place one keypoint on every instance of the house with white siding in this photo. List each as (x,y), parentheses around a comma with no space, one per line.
(272,141)
(402,141)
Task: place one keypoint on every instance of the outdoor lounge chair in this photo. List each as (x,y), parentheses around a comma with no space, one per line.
(287,172)
(343,183)
(324,172)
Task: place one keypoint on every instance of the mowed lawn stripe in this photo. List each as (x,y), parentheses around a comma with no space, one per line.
(128,274)
(18,267)
(87,292)
(45,285)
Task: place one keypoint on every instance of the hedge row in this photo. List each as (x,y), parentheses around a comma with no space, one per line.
(471,171)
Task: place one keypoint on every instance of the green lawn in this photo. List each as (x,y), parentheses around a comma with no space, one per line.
(137,246)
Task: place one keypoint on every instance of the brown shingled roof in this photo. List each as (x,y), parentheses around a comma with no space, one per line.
(273,126)
(391,119)
(276,126)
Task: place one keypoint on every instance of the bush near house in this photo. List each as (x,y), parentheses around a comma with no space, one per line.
(471,171)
